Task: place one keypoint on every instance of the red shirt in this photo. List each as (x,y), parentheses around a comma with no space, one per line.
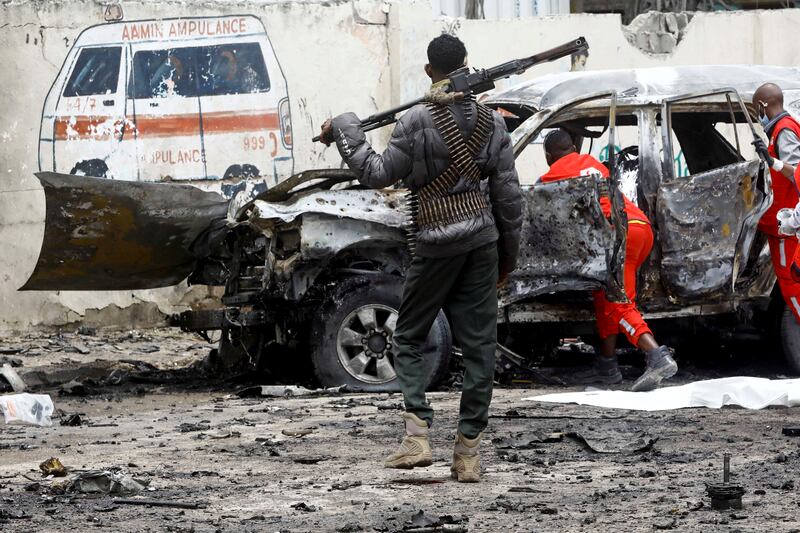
(575,165)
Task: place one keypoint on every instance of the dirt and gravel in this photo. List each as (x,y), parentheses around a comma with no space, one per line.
(314,463)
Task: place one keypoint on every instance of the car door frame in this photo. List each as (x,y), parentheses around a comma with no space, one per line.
(749,224)
(521,138)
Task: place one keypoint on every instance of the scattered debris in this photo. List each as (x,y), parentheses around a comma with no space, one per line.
(9,350)
(344,485)
(528,489)
(301,506)
(188,427)
(791,431)
(160,503)
(422,523)
(311,460)
(10,375)
(297,433)
(16,514)
(73,388)
(503,503)
(53,467)
(288,391)
(615,440)
(524,441)
(13,361)
(80,348)
(725,495)
(219,434)
(149,348)
(27,408)
(113,481)
(72,420)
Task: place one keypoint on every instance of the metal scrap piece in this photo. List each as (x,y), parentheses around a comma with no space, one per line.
(104,235)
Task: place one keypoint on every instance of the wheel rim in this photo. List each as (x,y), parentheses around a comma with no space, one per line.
(364,343)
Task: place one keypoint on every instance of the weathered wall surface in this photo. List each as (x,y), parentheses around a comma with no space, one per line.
(335,56)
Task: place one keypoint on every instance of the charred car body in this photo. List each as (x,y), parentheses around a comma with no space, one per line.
(319,261)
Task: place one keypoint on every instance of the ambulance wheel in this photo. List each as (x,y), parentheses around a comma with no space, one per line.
(241,171)
(351,337)
(790,339)
(93,167)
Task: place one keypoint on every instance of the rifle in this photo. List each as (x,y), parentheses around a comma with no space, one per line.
(478,81)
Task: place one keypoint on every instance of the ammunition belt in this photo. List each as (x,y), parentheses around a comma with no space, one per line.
(434,203)
(451,209)
(462,152)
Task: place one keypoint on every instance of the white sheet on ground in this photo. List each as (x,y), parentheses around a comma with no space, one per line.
(747,392)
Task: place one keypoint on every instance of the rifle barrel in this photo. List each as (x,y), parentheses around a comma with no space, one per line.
(515,66)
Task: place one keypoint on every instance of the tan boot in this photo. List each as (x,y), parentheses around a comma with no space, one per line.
(415,450)
(466,463)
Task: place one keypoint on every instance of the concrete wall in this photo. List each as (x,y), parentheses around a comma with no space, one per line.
(336,56)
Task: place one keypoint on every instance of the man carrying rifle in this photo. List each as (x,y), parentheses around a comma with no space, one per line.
(455,156)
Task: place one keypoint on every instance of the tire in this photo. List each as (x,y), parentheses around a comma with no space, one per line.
(360,300)
(93,167)
(790,339)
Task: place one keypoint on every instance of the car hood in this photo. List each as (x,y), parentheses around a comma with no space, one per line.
(386,207)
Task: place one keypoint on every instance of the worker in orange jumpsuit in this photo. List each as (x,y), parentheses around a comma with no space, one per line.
(614,318)
(783,155)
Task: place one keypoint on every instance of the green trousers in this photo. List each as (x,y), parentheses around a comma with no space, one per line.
(466,286)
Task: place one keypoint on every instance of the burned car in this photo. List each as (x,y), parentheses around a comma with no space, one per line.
(318,261)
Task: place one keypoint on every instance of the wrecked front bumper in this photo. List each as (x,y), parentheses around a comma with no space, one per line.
(225,318)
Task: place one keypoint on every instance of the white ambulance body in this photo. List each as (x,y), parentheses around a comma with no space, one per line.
(170,99)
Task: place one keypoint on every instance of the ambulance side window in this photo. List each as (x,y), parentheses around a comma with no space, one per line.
(232,69)
(164,73)
(95,72)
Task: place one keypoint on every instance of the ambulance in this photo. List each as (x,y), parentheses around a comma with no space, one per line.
(192,99)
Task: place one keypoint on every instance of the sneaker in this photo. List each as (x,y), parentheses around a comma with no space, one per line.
(605,370)
(466,463)
(415,450)
(660,366)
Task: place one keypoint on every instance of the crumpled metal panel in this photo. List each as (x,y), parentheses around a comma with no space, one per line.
(107,235)
(386,206)
(322,238)
(700,220)
(566,244)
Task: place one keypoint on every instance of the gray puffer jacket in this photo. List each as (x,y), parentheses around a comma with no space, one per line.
(416,154)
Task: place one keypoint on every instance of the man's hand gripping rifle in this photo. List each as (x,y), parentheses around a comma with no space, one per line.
(462,82)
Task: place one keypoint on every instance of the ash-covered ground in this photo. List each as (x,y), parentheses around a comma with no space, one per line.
(209,459)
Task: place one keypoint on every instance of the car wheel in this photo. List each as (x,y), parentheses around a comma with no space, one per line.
(790,339)
(351,336)
(93,167)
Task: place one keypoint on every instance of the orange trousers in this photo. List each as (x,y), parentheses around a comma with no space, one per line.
(613,318)
(784,255)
